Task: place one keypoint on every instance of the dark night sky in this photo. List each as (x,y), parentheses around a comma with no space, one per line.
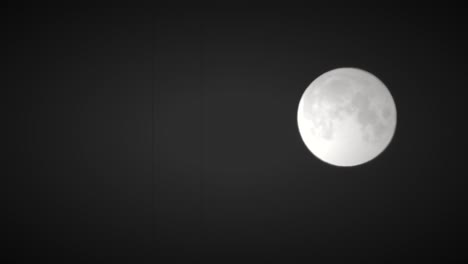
(141,134)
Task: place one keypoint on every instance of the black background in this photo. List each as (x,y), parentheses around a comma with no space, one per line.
(148,134)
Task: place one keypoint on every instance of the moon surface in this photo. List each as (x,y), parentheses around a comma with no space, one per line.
(347,117)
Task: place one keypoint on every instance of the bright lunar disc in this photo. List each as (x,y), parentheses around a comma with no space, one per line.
(346,117)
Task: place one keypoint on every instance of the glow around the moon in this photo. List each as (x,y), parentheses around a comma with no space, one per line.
(346,117)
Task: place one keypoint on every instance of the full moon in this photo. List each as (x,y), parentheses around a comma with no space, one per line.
(346,117)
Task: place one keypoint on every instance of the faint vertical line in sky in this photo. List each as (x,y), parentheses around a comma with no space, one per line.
(153,82)
(154,115)
(202,126)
